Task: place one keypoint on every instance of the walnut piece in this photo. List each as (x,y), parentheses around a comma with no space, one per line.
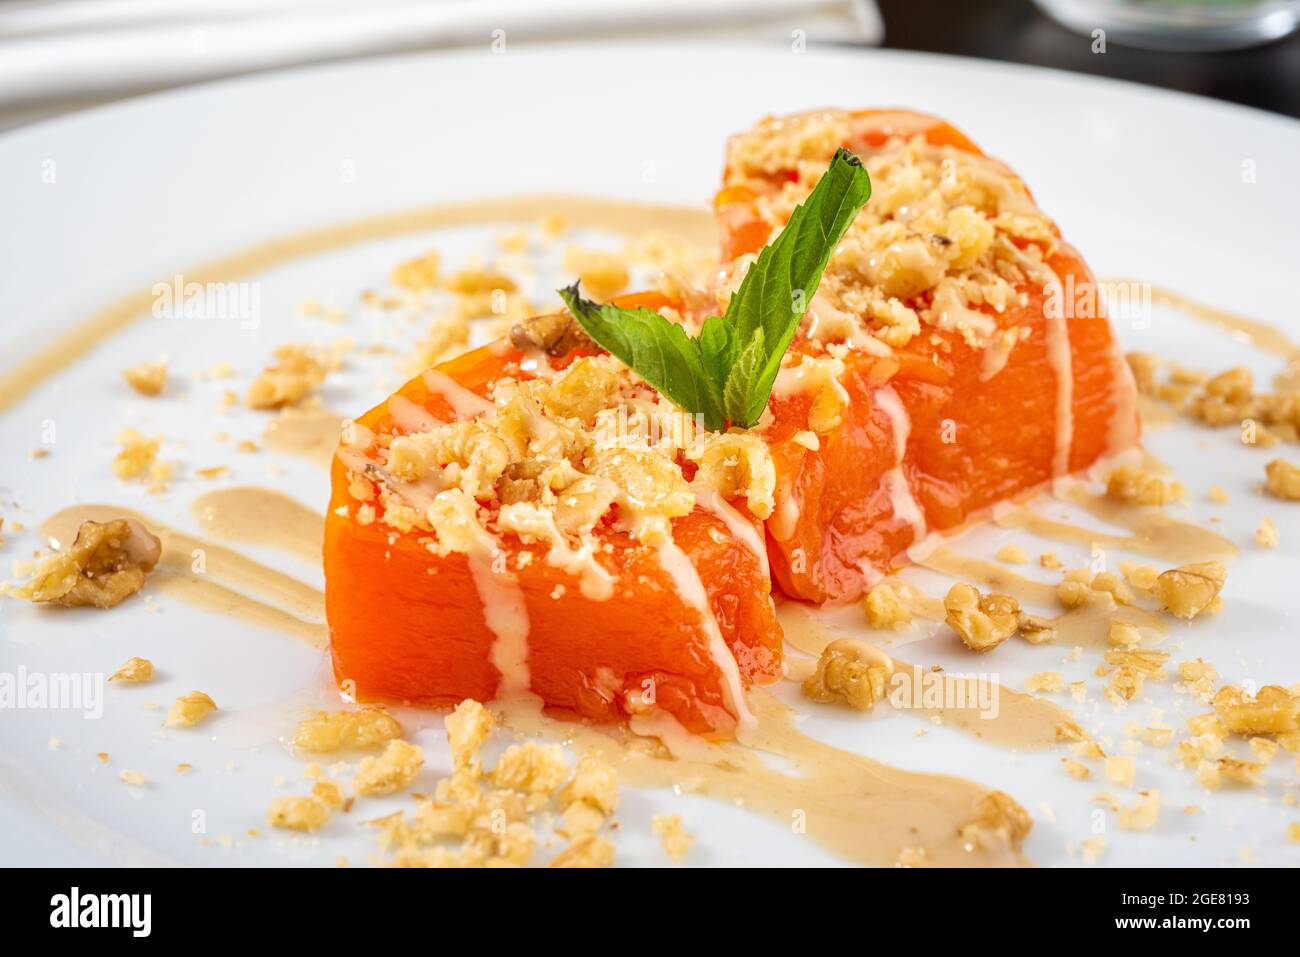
(999,820)
(147,378)
(981,621)
(391,771)
(885,606)
(1283,480)
(555,333)
(298,370)
(674,838)
(587,851)
(468,727)
(298,813)
(849,671)
(1188,590)
(335,731)
(1135,486)
(418,274)
(1273,710)
(531,767)
(107,562)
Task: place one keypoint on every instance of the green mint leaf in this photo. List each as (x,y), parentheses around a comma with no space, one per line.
(739,395)
(778,287)
(727,373)
(658,351)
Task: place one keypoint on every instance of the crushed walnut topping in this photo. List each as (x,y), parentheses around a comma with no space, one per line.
(1190,590)
(134,671)
(849,671)
(949,238)
(326,732)
(106,563)
(549,459)
(188,710)
(147,378)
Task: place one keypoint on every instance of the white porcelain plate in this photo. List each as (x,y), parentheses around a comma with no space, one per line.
(1192,194)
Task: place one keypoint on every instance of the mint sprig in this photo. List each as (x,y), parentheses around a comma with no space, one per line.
(726,374)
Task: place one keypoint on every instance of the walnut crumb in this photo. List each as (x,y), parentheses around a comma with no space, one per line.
(1266,535)
(298,813)
(417,274)
(1121,771)
(135,779)
(1135,486)
(1143,815)
(999,820)
(468,727)
(147,378)
(392,771)
(188,710)
(297,370)
(327,732)
(674,838)
(1012,555)
(590,850)
(1076,769)
(134,671)
(1049,682)
(1283,480)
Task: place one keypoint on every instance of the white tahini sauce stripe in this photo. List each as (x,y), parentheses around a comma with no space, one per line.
(900,493)
(691,590)
(466,404)
(711,500)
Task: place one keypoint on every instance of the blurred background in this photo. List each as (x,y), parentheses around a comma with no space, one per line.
(62,55)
